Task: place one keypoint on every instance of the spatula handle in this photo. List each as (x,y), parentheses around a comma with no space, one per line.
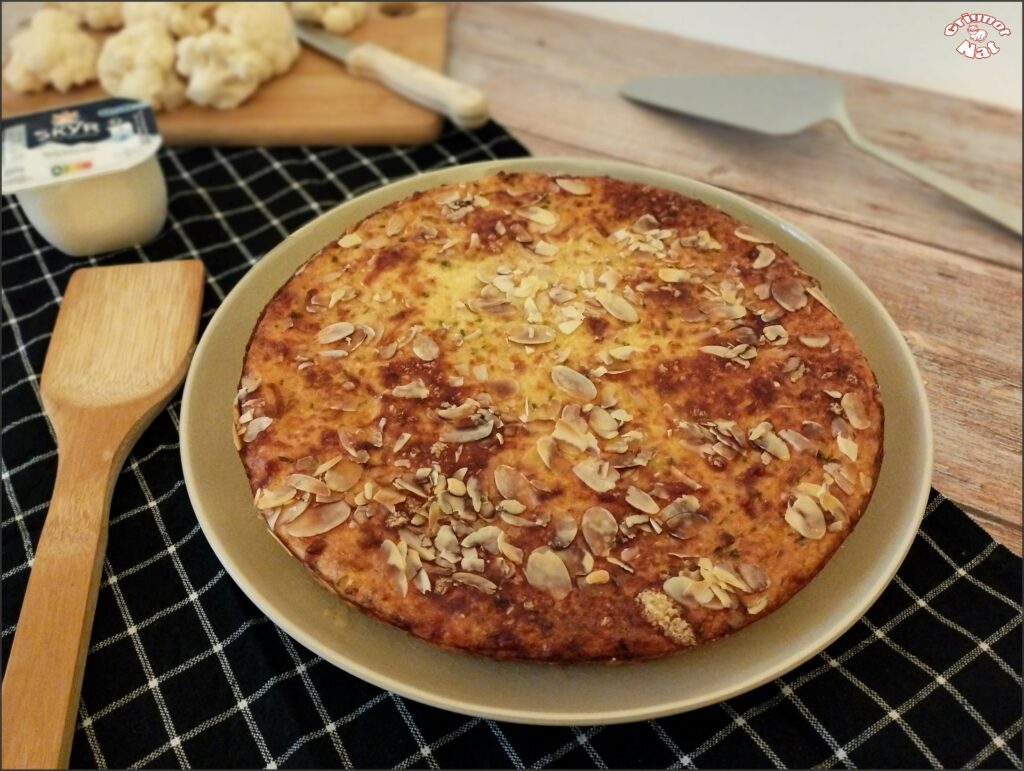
(43,679)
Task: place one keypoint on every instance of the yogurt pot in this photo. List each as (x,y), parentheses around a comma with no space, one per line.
(87,176)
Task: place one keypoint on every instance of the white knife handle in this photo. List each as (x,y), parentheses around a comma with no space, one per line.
(464,105)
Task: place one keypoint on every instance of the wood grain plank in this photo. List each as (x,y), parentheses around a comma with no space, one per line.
(959,316)
(557,75)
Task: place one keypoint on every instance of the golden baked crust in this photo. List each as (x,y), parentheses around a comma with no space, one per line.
(564,419)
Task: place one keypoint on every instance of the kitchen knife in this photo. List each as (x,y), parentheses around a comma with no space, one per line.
(786,104)
(464,105)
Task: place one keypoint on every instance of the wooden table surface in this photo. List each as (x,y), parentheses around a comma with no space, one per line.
(950,279)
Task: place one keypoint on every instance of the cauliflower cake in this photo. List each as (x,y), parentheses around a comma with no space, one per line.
(557,418)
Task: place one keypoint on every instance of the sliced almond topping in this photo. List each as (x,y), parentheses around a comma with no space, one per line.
(545,571)
(814,341)
(847,447)
(394,566)
(638,499)
(764,437)
(804,516)
(747,233)
(573,186)
(318,519)
(531,334)
(414,390)
(349,240)
(789,293)
(853,406)
(597,577)
(765,257)
(682,517)
(538,215)
(513,485)
(343,476)
(332,333)
(465,435)
(565,530)
(395,225)
(546,450)
(255,427)
(617,306)
(673,275)
(272,497)
(477,582)
(596,474)
(574,383)
(308,484)
(544,249)
(600,530)
(424,348)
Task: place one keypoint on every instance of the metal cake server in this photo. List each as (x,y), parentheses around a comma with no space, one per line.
(787,104)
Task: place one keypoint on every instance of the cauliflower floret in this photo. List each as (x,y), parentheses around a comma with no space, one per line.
(95,15)
(138,63)
(252,43)
(339,18)
(182,19)
(52,51)
(264,27)
(222,71)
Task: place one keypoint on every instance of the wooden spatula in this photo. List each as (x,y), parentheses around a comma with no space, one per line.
(120,348)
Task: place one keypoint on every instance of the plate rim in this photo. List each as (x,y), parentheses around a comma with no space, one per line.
(722,199)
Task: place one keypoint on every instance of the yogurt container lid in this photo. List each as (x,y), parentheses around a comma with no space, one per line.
(76,141)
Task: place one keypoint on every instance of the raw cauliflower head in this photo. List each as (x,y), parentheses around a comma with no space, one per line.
(95,15)
(266,28)
(138,63)
(223,71)
(181,19)
(339,18)
(52,51)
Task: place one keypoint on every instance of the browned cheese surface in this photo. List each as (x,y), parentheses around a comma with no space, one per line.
(563,419)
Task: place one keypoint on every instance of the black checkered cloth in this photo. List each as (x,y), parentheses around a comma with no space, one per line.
(184,671)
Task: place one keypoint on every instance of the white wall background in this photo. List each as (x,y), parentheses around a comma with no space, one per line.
(895,41)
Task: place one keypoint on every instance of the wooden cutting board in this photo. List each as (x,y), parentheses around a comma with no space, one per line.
(316,103)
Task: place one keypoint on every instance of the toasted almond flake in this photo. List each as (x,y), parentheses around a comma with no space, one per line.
(531,334)
(565,531)
(401,441)
(570,326)
(465,435)
(673,275)
(814,341)
(596,474)
(544,249)
(600,530)
(764,437)
(818,295)
(424,348)
(538,215)
(414,390)
(343,476)
(272,497)
(255,427)
(597,577)
(804,516)
(776,334)
(765,257)
(395,225)
(349,240)
(797,441)
(546,571)
(847,447)
(513,485)
(747,233)
(789,293)
(546,450)
(617,306)
(318,519)
(327,465)
(602,423)
(572,185)
(477,582)
(332,333)
(307,484)
(573,383)
(394,566)
(641,500)
(853,406)
(456,486)
(343,294)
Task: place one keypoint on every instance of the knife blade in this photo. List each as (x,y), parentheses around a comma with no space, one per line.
(464,105)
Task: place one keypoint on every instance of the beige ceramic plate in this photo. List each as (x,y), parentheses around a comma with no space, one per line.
(541,693)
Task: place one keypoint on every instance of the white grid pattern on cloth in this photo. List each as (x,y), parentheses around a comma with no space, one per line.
(247,230)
